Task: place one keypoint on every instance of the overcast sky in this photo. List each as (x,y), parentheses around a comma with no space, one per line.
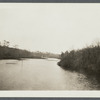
(50,27)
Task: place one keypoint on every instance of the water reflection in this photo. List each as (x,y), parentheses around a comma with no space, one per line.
(40,74)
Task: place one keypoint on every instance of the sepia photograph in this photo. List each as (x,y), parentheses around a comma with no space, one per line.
(49,47)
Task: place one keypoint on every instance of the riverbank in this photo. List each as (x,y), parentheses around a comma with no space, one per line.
(85,61)
(15,53)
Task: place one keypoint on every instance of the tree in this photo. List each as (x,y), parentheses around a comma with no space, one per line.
(6,43)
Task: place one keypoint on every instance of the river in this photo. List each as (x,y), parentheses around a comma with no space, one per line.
(40,74)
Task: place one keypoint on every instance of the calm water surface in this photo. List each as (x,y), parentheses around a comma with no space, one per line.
(40,74)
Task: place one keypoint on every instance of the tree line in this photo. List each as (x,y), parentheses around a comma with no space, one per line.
(86,60)
(7,52)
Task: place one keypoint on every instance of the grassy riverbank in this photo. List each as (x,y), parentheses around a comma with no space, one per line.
(86,60)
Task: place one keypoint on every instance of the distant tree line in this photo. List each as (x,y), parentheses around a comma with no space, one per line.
(86,60)
(7,52)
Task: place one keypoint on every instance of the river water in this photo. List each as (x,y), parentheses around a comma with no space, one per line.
(40,74)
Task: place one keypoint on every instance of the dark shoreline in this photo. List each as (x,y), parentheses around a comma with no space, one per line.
(15,53)
(19,58)
(94,78)
(85,61)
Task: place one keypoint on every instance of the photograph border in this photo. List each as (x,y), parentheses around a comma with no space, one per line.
(49,95)
(50,1)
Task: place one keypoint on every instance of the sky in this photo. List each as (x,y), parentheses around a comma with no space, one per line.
(49,27)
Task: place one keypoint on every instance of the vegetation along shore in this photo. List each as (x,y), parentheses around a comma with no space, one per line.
(86,61)
(7,52)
